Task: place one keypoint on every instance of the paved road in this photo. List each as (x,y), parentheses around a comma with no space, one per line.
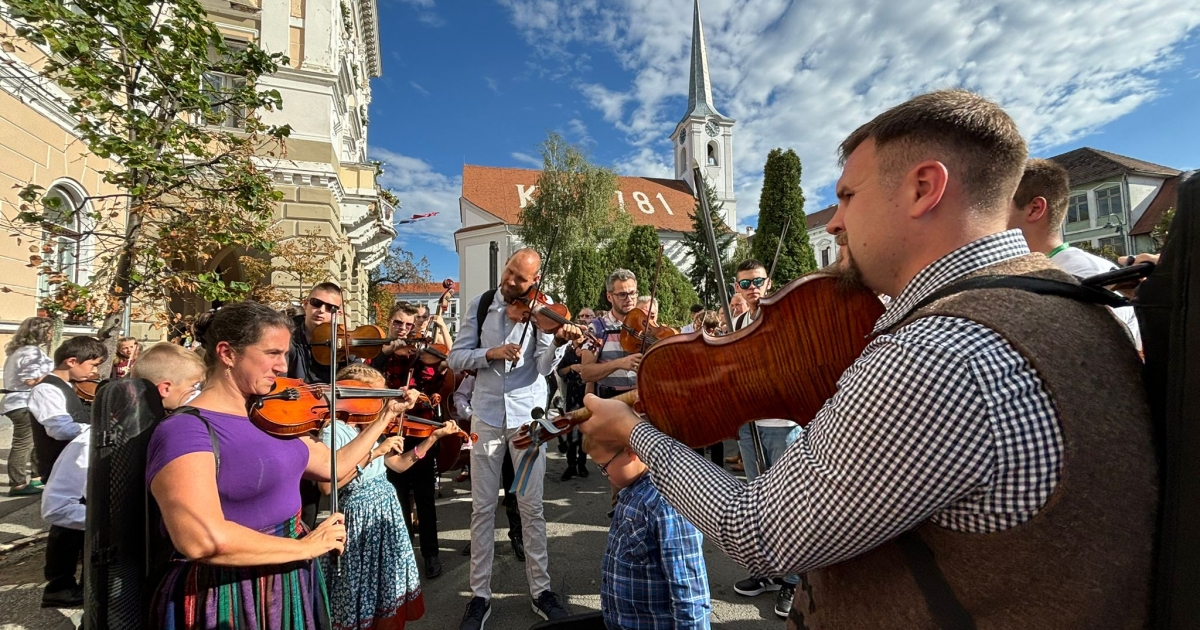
(576,513)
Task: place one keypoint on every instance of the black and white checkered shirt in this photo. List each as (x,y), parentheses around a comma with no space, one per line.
(941,419)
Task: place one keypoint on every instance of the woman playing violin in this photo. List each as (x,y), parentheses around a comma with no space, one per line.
(236,522)
(379,586)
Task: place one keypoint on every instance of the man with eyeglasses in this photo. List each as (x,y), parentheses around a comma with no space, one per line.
(613,370)
(401,368)
(776,435)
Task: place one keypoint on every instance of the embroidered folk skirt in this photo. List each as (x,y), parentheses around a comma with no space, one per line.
(289,596)
(378,586)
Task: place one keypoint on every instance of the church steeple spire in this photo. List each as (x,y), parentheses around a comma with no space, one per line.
(699,88)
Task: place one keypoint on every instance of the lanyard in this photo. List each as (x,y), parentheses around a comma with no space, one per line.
(1057,249)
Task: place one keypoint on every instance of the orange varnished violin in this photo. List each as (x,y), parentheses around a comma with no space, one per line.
(294,407)
(700,389)
(638,332)
(86,389)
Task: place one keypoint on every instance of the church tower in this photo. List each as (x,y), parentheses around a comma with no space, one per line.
(705,136)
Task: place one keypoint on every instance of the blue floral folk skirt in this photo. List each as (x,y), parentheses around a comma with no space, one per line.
(378,586)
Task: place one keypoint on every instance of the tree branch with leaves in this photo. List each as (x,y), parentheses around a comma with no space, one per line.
(157,89)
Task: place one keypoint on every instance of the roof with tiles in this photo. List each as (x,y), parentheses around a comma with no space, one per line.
(1166,199)
(821,218)
(1086,165)
(666,204)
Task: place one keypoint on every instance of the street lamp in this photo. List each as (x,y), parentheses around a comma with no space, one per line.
(1116,223)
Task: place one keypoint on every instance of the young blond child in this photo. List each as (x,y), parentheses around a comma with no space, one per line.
(653,575)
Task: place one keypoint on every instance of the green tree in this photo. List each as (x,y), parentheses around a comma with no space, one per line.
(576,198)
(1106,252)
(701,274)
(400,267)
(584,285)
(154,87)
(742,252)
(640,255)
(1162,229)
(782,197)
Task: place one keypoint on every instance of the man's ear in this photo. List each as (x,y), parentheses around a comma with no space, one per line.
(1035,210)
(164,389)
(924,186)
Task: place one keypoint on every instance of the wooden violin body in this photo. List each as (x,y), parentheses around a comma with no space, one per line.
(547,317)
(637,332)
(363,342)
(294,407)
(700,389)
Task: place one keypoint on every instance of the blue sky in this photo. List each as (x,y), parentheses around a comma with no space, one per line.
(481,82)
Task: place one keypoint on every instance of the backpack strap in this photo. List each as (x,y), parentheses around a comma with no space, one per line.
(1040,286)
(212,435)
(485,302)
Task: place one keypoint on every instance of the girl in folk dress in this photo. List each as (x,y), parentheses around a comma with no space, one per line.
(378,587)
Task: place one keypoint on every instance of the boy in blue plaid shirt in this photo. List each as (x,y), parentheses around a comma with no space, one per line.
(653,574)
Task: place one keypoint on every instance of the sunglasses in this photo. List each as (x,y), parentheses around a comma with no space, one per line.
(401,323)
(323,305)
(604,467)
(745,284)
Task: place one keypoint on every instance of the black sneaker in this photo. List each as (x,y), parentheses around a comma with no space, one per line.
(478,611)
(568,474)
(548,607)
(583,472)
(66,598)
(433,567)
(518,547)
(783,601)
(757,586)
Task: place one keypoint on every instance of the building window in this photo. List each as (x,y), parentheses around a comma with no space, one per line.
(825,257)
(1108,203)
(64,233)
(218,87)
(712,153)
(1077,210)
(1117,243)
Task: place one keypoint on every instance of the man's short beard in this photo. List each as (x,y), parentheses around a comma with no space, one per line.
(846,271)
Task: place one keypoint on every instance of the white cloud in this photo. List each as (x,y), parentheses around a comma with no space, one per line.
(420,90)
(805,74)
(645,162)
(422,190)
(492,84)
(527,160)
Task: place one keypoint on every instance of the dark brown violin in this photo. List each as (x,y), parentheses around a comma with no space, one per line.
(638,332)
(364,342)
(294,407)
(700,389)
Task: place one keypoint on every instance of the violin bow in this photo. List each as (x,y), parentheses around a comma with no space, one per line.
(332,396)
(537,288)
(760,456)
(787,222)
(653,296)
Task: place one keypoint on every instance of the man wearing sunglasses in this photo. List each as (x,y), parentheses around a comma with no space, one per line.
(776,435)
(323,301)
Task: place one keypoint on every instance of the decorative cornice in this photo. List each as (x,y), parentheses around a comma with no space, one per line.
(370,36)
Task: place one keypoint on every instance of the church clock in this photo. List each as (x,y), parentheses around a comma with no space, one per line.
(712,129)
(682,136)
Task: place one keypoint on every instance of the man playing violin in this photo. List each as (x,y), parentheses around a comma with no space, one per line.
(512,360)
(324,300)
(963,474)
(401,367)
(612,370)
(751,284)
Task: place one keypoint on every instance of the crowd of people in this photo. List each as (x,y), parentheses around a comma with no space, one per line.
(952,460)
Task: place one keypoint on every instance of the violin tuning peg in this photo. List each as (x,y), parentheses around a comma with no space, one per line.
(538,413)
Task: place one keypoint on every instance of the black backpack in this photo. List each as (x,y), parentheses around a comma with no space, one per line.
(126,551)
